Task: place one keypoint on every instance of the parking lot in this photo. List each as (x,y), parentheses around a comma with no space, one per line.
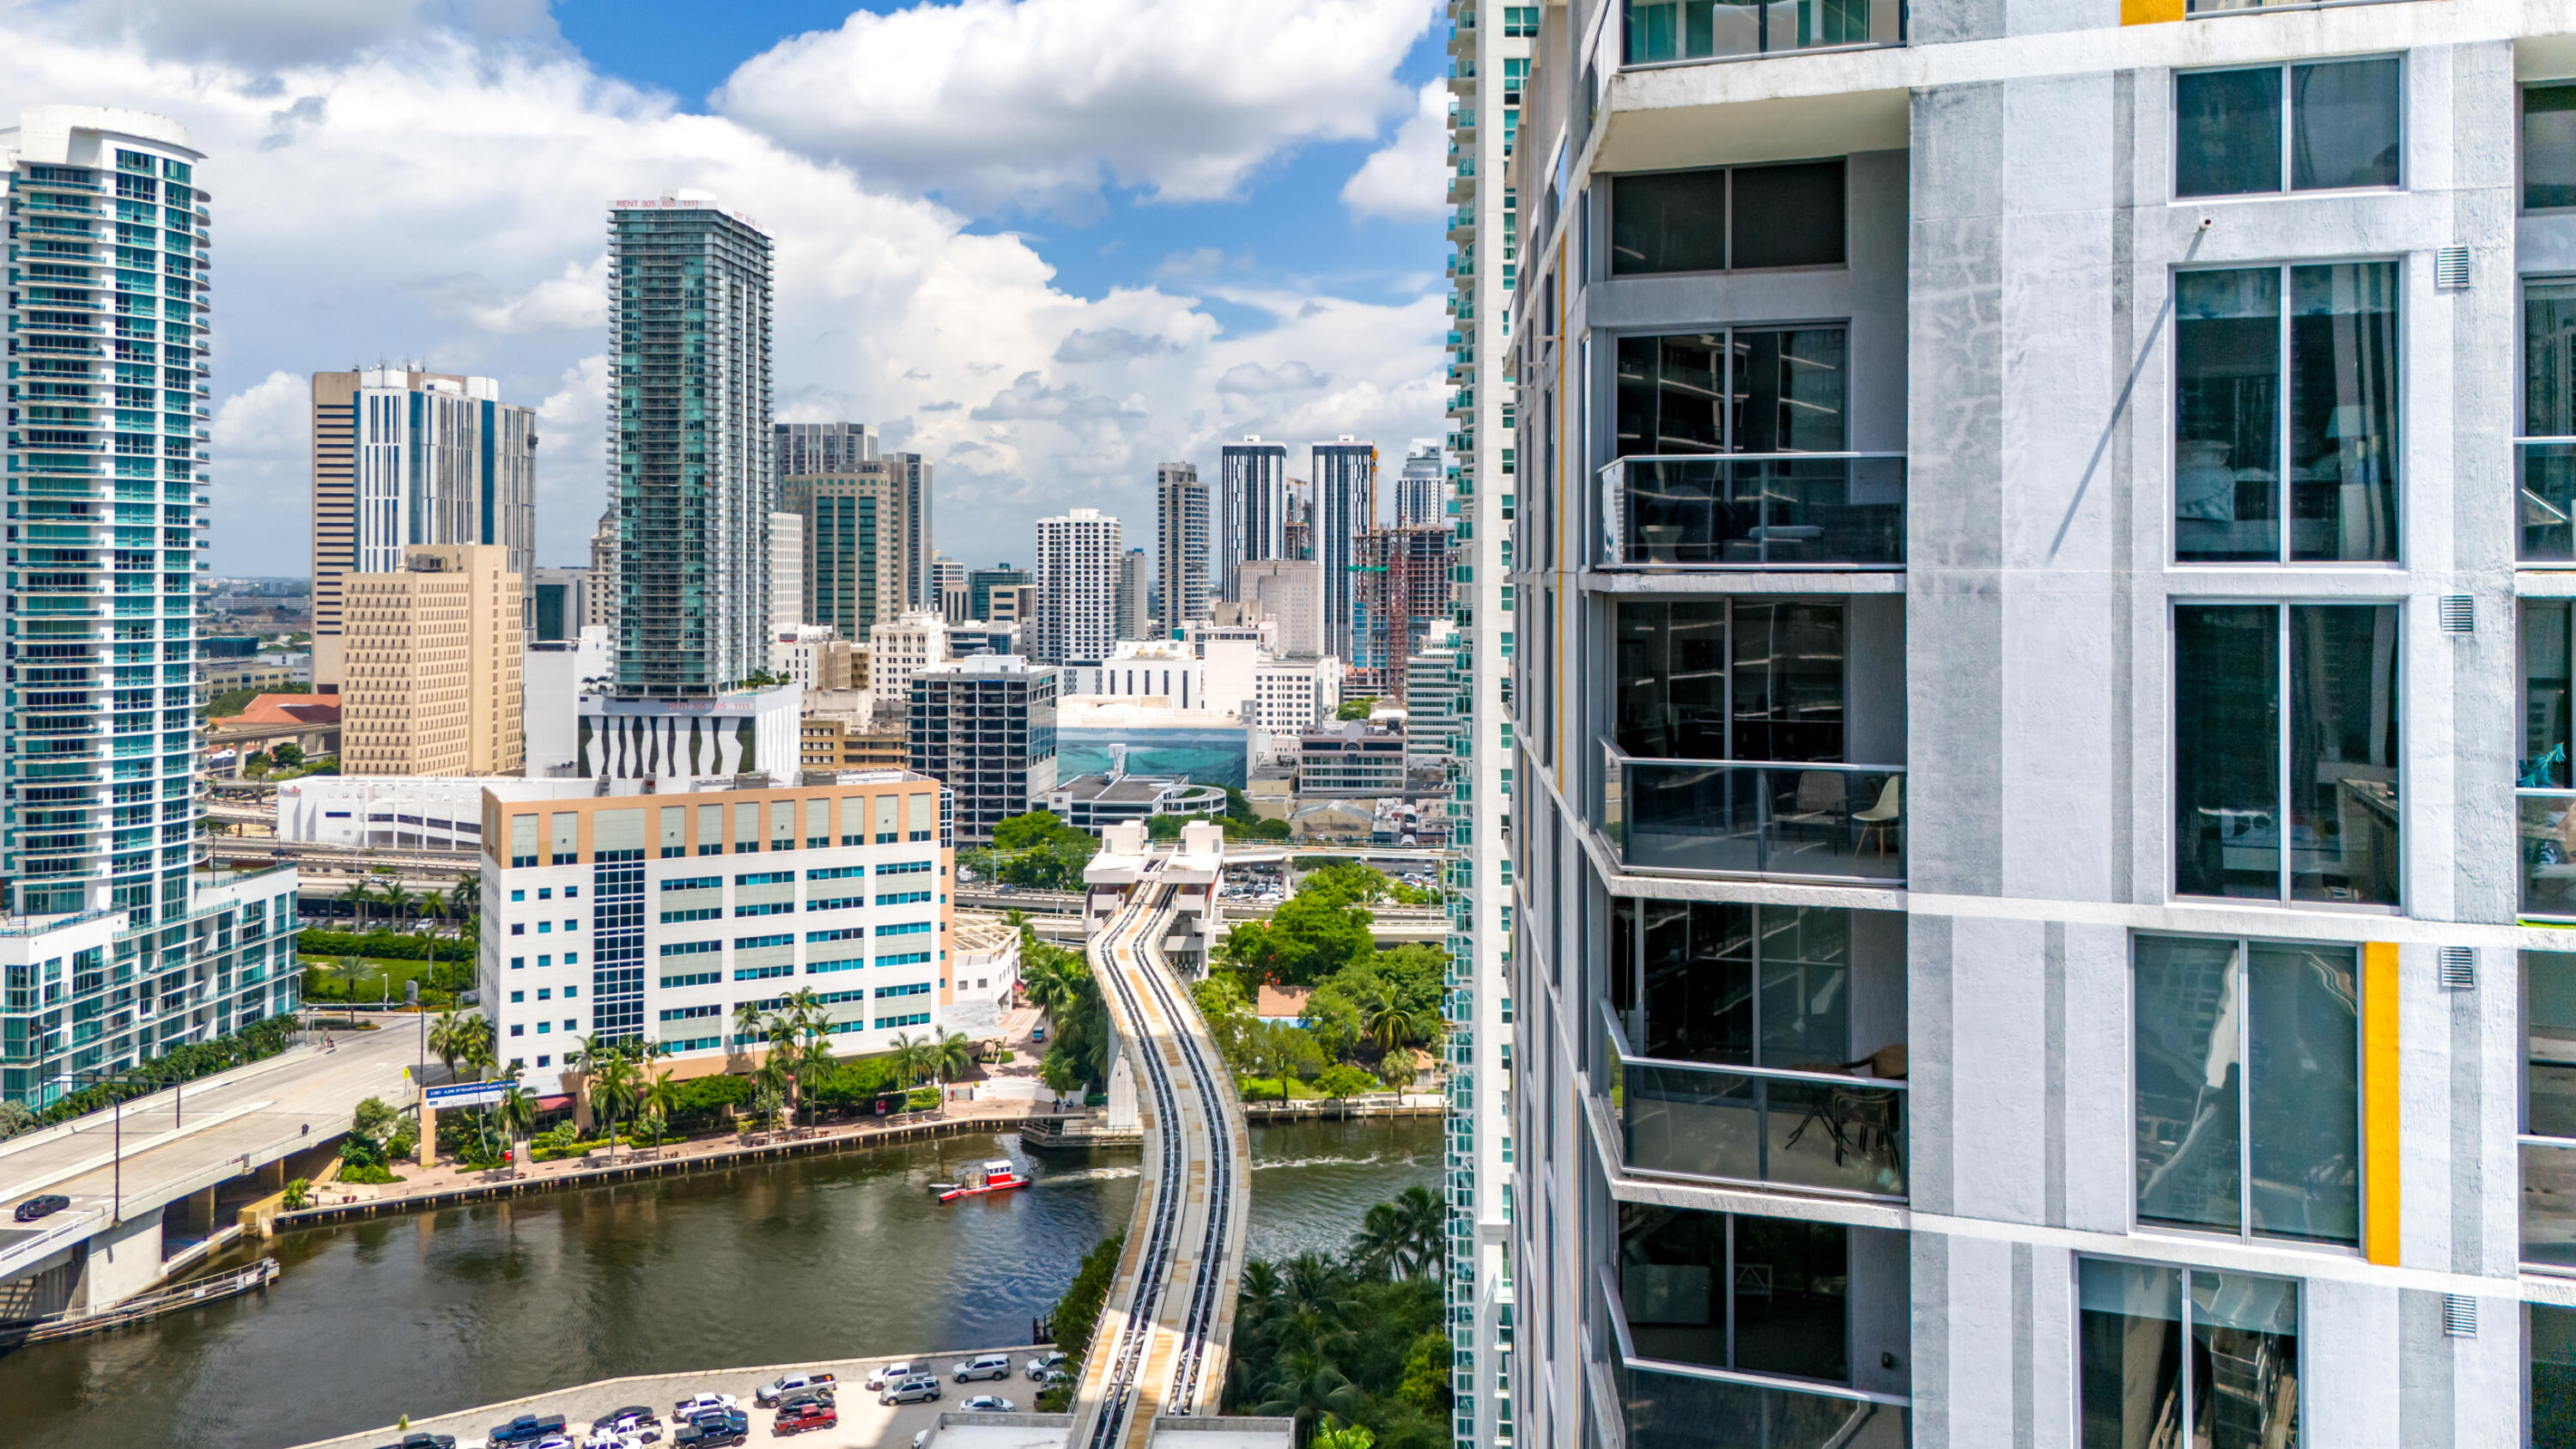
(864,1423)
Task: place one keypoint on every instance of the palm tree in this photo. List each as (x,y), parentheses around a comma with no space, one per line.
(1424,1223)
(1383,1016)
(949,1057)
(746,1023)
(357,896)
(660,1100)
(613,1088)
(1380,1248)
(447,1037)
(911,1057)
(480,1047)
(397,900)
(347,970)
(518,1113)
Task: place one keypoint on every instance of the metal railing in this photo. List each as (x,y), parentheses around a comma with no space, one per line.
(1802,1128)
(1813,820)
(1662,32)
(1754,511)
(1679,1406)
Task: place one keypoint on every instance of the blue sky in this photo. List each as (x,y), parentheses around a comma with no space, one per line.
(1047,243)
(1290,223)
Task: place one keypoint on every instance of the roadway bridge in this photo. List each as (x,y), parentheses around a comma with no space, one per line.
(1159,1352)
(151,1184)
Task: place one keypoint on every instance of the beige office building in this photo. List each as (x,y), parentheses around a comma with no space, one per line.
(855,523)
(430,685)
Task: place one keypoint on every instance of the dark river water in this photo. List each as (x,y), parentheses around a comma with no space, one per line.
(828,1257)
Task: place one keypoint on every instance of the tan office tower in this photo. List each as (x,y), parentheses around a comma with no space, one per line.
(403,458)
(856,531)
(430,682)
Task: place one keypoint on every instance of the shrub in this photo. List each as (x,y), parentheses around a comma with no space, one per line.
(1078,1312)
(299,1194)
(381,945)
(1343,1081)
(368,1173)
(181,1064)
(921,1099)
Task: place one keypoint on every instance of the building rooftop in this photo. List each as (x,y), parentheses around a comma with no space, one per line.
(276,709)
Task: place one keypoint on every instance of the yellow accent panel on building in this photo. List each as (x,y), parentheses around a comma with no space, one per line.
(430,679)
(2379,1103)
(2150,12)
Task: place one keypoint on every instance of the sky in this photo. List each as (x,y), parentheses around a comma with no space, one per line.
(1045,243)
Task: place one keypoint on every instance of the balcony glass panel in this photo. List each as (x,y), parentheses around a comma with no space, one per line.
(1752,1124)
(1670,1407)
(2549,1205)
(1826,821)
(1672,30)
(1740,511)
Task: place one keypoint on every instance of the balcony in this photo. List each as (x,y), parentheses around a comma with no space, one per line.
(1811,820)
(2545,470)
(1663,32)
(2549,1204)
(1670,1406)
(1811,1131)
(1754,511)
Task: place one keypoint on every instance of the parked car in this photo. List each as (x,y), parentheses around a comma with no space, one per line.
(785,1384)
(1038,1032)
(425,1441)
(987,1404)
(807,1415)
(893,1373)
(555,1441)
(821,1396)
(527,1429)
(713,1430)
(42,1206)
(1044,1364)
(987,1366)
(694,1404)
(625,1421)
(920,1388)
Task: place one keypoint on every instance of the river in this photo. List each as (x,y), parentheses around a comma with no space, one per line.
(822,1257)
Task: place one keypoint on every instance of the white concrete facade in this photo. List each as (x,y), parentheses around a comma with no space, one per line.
(2025,313)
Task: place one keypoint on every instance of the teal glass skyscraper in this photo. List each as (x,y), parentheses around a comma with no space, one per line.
(119,942)
(694,479)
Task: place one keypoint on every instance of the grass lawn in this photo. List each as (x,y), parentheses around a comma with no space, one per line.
(383,979)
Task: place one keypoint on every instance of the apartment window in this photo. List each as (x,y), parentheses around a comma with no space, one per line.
(1740,679)
(2320,774)
(2547,498)
(2549,146)
(2234,136)
(1742,985)
(1520,21)
(2552,1389)
(2248,1060)
(2544,801)
(2286,407)
(1755,1294)
(2548,1147)
(1662,30)
(1679,221)
(2176,1356)
(1746,390)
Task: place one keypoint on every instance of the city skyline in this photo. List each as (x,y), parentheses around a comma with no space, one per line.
(1146,276)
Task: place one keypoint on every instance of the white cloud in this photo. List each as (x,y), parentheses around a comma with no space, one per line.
(441,199)
(1038,102)
(574,300)
(286,32)
(1408,179)
(1253,378)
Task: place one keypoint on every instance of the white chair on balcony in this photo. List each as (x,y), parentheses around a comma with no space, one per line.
(1882,817)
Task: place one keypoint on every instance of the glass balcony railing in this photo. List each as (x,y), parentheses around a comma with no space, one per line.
(1754,510)
(2547,825)
(1663,31)
(1803,1128)
(2545,470)
(2549,1204)
(1810,820)
(1674,1406)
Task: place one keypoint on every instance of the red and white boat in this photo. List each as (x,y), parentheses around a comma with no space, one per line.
(997,1175)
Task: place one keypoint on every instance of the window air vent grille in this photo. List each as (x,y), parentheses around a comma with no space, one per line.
(2459,968)
(2451,269)
(2459,1316)
(2459,614)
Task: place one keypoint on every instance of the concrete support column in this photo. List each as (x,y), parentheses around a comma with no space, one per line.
(428,1134)
(201,1211)
(124,1259)
(272,1176)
